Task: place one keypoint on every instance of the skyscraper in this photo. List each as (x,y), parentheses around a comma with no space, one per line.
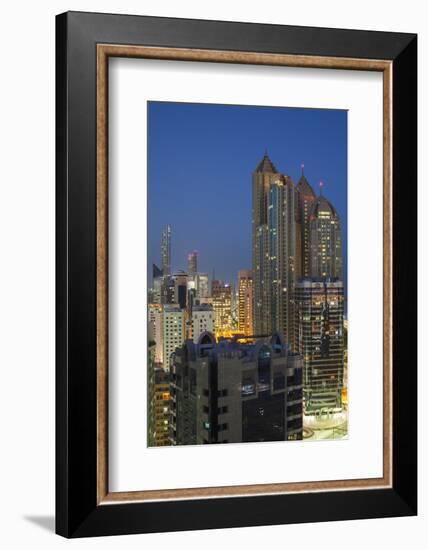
(192,260)
(166,250)
(229,392)
(319,339)
(245,302)
(282,255)
(324,240)
(274,250)
(263,176)
(305,199)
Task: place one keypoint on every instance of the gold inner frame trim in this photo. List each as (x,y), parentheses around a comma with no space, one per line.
(104,51)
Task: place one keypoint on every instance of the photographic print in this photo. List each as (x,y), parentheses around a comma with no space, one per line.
(247,274)
(204,284)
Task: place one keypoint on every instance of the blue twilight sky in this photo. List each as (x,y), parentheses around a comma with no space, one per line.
(200,161)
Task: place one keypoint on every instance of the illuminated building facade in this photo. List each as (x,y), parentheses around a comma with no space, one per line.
(320,341)
(325,240)
(173,331)
(222,305)
(229,392)
(245,302)
(159,408)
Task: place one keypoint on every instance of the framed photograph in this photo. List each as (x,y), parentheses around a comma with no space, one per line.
(236,265)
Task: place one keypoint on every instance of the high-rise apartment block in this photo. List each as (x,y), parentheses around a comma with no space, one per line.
(245,302)
(202,320)
(173,331)
(320,341)
(325,240)
(159,408)
(229,392)
(155,333)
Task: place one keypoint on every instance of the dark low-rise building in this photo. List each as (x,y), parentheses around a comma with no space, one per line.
(232,392)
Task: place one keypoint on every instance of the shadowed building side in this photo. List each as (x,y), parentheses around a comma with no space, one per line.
(231,392)
(305,199)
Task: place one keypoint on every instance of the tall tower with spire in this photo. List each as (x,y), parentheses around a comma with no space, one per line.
(263,176)
(305,198)
(274,250)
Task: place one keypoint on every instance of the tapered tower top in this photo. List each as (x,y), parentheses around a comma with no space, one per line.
(266,165)
(323,206)
(303,186)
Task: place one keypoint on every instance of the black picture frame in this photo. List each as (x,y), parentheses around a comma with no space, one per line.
(77,512)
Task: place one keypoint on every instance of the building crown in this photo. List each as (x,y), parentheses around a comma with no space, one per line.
(304,187)
(266,166)
(322,205)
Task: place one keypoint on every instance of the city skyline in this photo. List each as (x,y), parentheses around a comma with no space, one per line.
(196,160)
(254,349)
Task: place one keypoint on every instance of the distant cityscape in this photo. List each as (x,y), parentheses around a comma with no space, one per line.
(262,357)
